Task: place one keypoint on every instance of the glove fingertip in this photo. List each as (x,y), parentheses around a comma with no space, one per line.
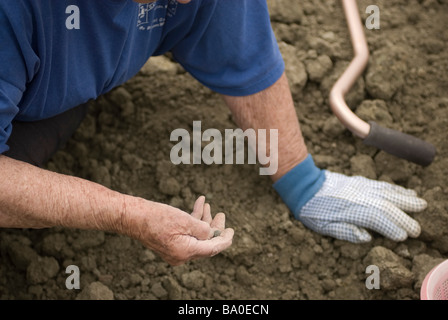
(415,204)
(400,235)
(362,235)
(415,230)
(347,232)
(422,204)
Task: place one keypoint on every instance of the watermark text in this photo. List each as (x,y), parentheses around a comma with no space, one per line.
(227,149)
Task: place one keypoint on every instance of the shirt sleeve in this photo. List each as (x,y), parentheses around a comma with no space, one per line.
(14,43)
(231,47)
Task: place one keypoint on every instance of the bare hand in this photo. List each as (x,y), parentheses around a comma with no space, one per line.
(176,235)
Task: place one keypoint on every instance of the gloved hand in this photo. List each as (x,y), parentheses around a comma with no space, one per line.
(340,206)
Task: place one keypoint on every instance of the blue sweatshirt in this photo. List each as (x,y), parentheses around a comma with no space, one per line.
(56,55)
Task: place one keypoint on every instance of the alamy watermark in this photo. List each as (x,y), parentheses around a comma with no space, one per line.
(73,21)
(222,149)
(373,21)
(72,281)
(373,280)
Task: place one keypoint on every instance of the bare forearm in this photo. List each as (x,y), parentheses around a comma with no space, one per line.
(273,108)
(31,197)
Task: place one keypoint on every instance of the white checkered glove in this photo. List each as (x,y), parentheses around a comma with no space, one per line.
(342,207)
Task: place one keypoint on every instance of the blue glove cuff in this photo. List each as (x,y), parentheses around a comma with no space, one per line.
(300,184)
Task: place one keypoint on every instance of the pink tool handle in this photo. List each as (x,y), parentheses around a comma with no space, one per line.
(394,142)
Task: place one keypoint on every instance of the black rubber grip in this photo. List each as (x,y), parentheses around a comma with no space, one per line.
(400,144)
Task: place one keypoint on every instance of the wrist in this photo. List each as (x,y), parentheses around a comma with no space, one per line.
(138,214)
(300,184)
(127,210)
(295,157)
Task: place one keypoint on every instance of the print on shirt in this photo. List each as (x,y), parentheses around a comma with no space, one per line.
(154,15)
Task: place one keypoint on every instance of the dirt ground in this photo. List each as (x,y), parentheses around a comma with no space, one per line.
(124,144)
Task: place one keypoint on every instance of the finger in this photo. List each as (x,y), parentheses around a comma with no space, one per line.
(370,217)
(198,229)
(391,201)
(401,190)
(212,247)
(347,232)
(198,209)
(207,215)
(406,203)
(189,247)
(401,219)
(375,220)
(382,186)
(219,222)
